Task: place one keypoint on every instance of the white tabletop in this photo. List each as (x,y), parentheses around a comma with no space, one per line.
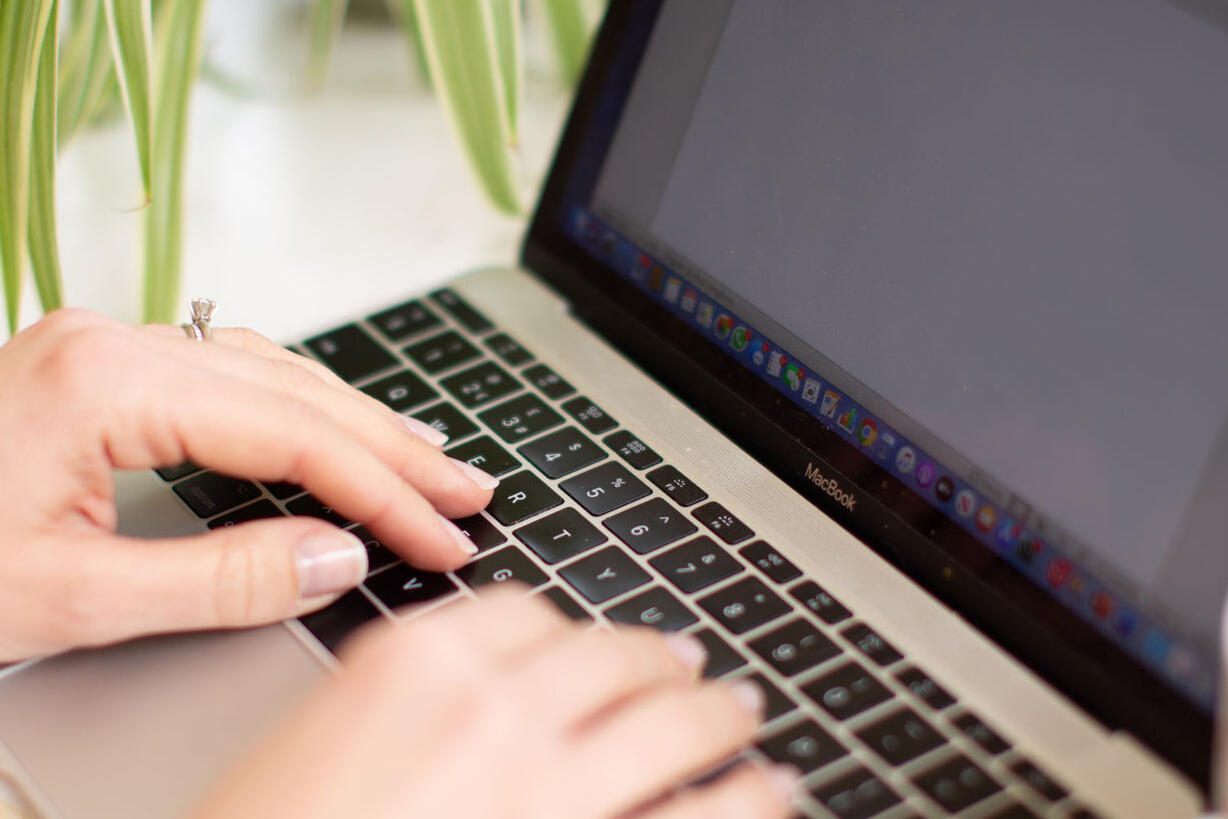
(301,209)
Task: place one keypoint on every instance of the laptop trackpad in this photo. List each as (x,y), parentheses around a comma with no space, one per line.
(144,729)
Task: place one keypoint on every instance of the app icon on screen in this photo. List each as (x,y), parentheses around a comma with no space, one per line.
(1008,534)
(703,314)
(965,503)
(867,432)
(776,363)
(848,419)
(944,489)
(724,326)
(657,277)
(760,355)
(1058,572)
(673,288)
(740,338)
(688,301)
(793,377)
(830,400)
(810,392)
(986,517)
(906,459)
(926,473)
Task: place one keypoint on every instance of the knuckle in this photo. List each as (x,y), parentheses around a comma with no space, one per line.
(67,319)
(293,377)
(235,584)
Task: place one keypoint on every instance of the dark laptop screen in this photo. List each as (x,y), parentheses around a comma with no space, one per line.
(984,246)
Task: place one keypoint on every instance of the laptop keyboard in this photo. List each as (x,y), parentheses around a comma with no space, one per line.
(589,516)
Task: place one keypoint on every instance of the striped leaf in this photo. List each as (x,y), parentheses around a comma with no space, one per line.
(326,19)
(180,31)
(87,74)
(44,243)
(23,24)
(131,26)
(460,44)
(506,15)
(570,30)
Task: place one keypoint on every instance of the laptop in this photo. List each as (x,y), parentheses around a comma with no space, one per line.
(878,344)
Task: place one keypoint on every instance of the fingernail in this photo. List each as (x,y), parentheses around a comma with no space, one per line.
(482,478)
(462,542)
(329,563)
(688,650)
(750,696)
(424,431)
(785,779)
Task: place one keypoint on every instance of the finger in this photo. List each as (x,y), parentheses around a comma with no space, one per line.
(256,573)
(504,623)
(454,487)
(243,429)
(603,668)
(750,790)
(668,735)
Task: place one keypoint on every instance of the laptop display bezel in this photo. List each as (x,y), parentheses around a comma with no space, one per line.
(981,586)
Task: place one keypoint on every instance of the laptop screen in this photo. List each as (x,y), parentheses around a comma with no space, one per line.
(982,247)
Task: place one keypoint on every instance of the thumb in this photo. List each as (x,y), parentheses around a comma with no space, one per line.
(254,573)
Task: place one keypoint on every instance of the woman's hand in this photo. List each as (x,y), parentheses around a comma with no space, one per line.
(506,709)
(81,396)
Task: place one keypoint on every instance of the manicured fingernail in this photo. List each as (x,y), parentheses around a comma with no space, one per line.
(482,478)
(688,650)
(750,696)
(462,542)
(786,780)
(424,431)
(329,563)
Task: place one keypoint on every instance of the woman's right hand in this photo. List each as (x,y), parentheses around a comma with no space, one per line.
(505,708)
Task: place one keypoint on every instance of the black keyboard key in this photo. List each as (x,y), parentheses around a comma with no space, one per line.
(282,490)
(925,689)
(403,585)
(480,385)
(956,784)
(504,346)
(871,644)
(561,453)
(589,415)
(856,795)
(847,691)
(521,496)
(744,605)
(308,506)
(777,701)
(794,647)
(696,565)
(521,417)
(565,603)
(1039,780)
(771,562)
(448,420)
(331,625)
(677,486)
(981,734)
(900,737)
(459,309)
(722,657)
(649,526)
(819,602)
(548,381)
(378,555)
(210,494)
(605,488)
(404,320)
(604,575)
(259,510)
(486,455)
(655,607)
(351,353)
(481,532)
(560,535)
(722,523)
(501,567)
(442,352)
(632,450)
(401,391)
(174,473)
(804,745)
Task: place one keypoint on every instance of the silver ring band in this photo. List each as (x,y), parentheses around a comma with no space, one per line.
(200,327)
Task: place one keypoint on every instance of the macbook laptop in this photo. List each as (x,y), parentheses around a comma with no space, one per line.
(878,344)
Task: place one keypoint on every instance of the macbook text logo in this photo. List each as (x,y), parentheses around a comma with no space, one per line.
(829,486)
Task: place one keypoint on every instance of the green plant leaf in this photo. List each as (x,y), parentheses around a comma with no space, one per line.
(131,25)
(325,23)
(86,71)
(180,32)
(506,15)
(44,240)
(23,24)
(459,41)
(570,32)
